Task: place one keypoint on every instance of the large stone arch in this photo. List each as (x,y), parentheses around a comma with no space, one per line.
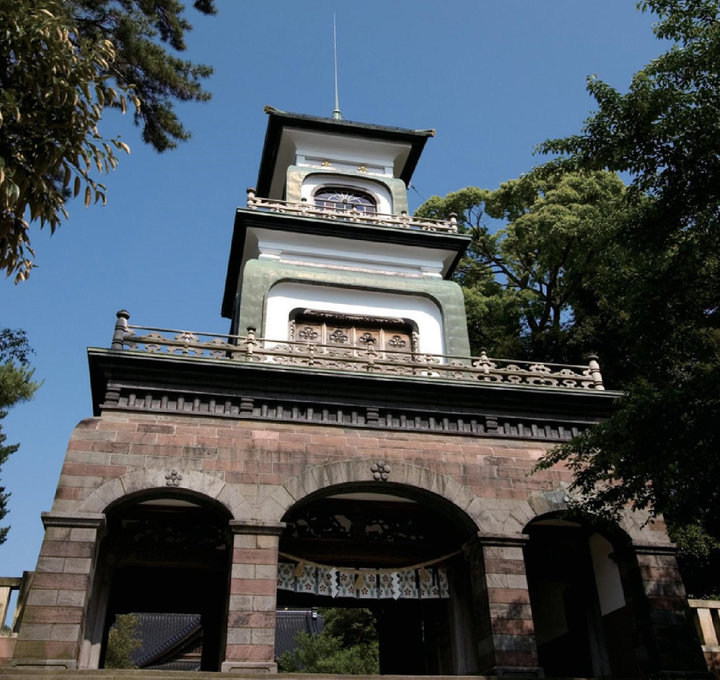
(582,581)
(152,479)
(488,515)
(393,515)
(150,578)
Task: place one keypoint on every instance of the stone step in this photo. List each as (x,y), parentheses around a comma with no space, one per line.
(118,674)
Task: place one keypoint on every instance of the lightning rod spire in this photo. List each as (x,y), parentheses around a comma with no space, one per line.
(336,112)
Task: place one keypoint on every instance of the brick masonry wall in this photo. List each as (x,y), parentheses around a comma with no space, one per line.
(509,613)
(712,659)
(256,459)
(249,454)
(259,470)
(506,635)
(7,648)
(487,478)
(253,586)
(54,614)
(677,645)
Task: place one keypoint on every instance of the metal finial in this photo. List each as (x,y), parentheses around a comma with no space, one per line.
(336,111)
(121,329)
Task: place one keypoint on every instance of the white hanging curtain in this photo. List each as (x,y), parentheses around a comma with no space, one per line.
(419,581)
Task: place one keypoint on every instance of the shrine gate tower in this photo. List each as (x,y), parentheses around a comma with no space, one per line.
(340,447)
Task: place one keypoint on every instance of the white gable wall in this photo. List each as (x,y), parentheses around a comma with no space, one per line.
(284,297)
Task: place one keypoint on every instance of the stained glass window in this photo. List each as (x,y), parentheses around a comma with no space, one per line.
(342,199)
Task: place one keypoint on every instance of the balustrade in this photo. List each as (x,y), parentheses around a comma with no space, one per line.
(707,621)
(305,209)
(9,585)
(367,358)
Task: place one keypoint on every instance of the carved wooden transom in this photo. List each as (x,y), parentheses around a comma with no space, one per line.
(364,332)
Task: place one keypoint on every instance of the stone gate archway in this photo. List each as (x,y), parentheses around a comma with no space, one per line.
(395,550)
(165,559)
(580,581)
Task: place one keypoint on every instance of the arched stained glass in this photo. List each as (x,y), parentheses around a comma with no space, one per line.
(342,199)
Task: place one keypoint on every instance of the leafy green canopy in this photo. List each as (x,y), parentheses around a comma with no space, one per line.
(660,451)
(633,274)
(61,63)
(347,645)
(139,31)
(16,385)
(123,640)
(536,245)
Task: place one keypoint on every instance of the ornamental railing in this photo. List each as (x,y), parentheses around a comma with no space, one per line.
(305,209)
(353,358)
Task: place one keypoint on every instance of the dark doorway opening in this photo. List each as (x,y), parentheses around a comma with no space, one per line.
(583,625)
(414,636)
(167,562)
(381,529)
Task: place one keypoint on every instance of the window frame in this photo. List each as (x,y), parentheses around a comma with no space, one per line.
(370,207)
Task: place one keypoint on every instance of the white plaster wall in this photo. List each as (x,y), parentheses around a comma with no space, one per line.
(347,153)
(337,252)
(284,297)
(607,575)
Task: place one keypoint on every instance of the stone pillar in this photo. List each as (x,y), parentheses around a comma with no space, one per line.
(53,620)
(250,642)
(673,648)
(506,644)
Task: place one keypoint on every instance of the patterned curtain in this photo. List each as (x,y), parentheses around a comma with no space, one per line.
(421,581)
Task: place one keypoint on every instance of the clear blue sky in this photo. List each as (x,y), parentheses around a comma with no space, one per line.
(494,77)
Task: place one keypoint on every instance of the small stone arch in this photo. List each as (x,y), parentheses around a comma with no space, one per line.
(165,552)
(151,479)
(581,575)
(612,531)
(632,523)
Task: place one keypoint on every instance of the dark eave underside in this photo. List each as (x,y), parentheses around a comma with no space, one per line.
(277,120)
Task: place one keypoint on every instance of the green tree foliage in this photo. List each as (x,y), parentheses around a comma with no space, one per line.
(123,640)
(492,310)
(660,451)
(648,297)
(350,626)
(16,385)
(61,63)
(536,245)
(139,31)
(347,645)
